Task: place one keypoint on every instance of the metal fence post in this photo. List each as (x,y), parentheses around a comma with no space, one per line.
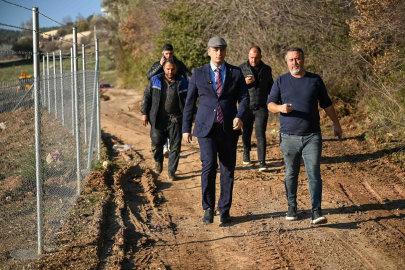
(94,119)
(54,84)
(48,79)
(72,90)
(98,103)
(84,95)
(62,103)
(37,96)
(76,110)
(43,86)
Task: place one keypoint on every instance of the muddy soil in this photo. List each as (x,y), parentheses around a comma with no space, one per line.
(153,223)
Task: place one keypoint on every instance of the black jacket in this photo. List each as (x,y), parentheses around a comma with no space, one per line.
(158,68)
(152,94)
(259,90)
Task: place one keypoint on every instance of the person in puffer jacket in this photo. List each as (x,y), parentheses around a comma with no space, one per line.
(162,107)
(259,81)
(157,67)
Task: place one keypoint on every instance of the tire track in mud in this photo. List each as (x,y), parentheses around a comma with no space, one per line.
(143,223)
(360,194)
(112,252)
(128,234)
(356,203)
(363,215)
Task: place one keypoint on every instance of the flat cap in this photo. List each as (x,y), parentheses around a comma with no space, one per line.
(217,42)
(167,47)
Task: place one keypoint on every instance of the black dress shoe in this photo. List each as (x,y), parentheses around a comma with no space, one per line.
(225,217)
(208,216)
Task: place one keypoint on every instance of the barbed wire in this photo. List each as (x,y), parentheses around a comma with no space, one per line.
(58,56)
(44,54)
(15,52)
(39,32)
(18,27)
(61,24)
(42,15)
(16,5)
(53,20)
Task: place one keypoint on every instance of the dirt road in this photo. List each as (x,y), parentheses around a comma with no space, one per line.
(161,221)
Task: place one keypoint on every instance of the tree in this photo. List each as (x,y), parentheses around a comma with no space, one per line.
(67,21)
(63,31)
(89,18)
(80,17)
(185,32)
(318,26)
(26,25)
(378,37)
(82,26)
(24,47)
(378,32)
(132,25)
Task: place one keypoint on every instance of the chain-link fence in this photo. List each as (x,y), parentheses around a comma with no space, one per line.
(49,142)
(61,181)
(18,214)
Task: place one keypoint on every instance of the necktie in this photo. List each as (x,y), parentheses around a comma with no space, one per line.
(219,85)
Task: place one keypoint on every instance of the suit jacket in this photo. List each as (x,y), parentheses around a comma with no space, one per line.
(200,86)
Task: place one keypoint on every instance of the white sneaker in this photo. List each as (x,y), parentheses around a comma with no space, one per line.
(317,217)
(262,167)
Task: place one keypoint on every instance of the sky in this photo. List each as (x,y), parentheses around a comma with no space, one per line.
(55,9)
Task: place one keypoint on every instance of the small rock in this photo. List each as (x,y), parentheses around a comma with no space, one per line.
(3,126)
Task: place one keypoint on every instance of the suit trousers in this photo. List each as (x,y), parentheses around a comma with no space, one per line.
(217,145)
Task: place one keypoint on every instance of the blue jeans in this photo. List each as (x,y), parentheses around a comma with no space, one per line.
(310,148)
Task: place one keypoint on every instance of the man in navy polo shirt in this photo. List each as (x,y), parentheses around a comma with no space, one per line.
(295,95)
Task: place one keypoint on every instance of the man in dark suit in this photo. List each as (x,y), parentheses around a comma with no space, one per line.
(218,86)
